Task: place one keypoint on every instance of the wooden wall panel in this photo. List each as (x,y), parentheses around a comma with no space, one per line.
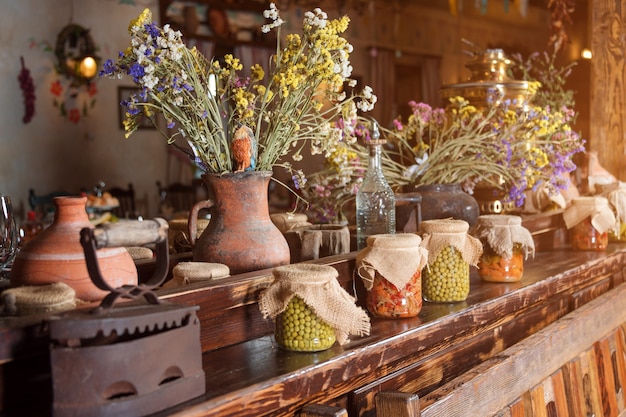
(608,89)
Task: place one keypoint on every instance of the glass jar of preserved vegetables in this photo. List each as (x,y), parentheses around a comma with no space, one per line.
(391,269)
(506,244)
(298,328)
(310,309)
(451,252)
(588,220)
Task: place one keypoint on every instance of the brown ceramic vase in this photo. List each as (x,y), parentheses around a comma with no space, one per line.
(441,201)
(56,255)
(240,233)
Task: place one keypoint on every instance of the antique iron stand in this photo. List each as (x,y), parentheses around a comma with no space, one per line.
(136,359)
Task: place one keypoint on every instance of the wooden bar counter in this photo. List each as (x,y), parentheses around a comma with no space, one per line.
(247,374)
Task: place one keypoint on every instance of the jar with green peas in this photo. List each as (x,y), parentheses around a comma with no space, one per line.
(311,311)
(298,328)
(451,252)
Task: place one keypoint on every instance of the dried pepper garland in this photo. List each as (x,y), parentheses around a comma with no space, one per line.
(28,92)
(560,13)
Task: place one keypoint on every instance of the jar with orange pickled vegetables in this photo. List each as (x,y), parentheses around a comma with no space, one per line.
(589,220)
(506,245)
(391,269)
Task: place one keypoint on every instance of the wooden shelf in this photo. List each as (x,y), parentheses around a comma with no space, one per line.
(246,374)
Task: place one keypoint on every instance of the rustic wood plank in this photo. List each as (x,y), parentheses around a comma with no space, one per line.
(522,407)
(590,292)
(618,349)
(320,410)
(533,359)
(538,401)
(560,395)
(606,378)
(397,404)
(504,413)
(608,85)
(593,402)
(572,379)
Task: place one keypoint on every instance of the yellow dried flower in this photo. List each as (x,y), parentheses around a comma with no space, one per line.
(144,18)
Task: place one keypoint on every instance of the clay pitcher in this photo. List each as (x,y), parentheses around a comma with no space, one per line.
(56,255)
(240,233)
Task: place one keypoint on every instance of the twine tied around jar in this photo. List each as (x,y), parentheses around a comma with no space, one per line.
(395,257)
(39,299)
(595,207)
(440,233)
(502,232)
(318,287)
(186,273)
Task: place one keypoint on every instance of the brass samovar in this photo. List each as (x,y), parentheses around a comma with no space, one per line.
(490,84)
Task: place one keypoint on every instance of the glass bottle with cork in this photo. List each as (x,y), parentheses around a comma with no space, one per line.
(375,200)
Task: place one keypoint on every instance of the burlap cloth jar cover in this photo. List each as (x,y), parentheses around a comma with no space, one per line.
(616,196)
(395,257)
(439,235)
(502,232)
(398,259)
(595,207)
(318,287)
(506,244)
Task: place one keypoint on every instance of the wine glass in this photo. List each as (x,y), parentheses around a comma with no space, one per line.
(8,233)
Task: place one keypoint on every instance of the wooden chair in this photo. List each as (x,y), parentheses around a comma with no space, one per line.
(176,198)
(43,204)
(126,197)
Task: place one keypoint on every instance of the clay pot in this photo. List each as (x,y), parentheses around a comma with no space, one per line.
(56,255)
(240,233)
(441,201)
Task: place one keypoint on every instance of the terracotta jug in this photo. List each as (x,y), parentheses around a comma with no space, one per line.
(56,255)
(240,233)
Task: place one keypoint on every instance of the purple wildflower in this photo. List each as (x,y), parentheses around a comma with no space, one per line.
(153,30)
(108,68)
(136,71)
